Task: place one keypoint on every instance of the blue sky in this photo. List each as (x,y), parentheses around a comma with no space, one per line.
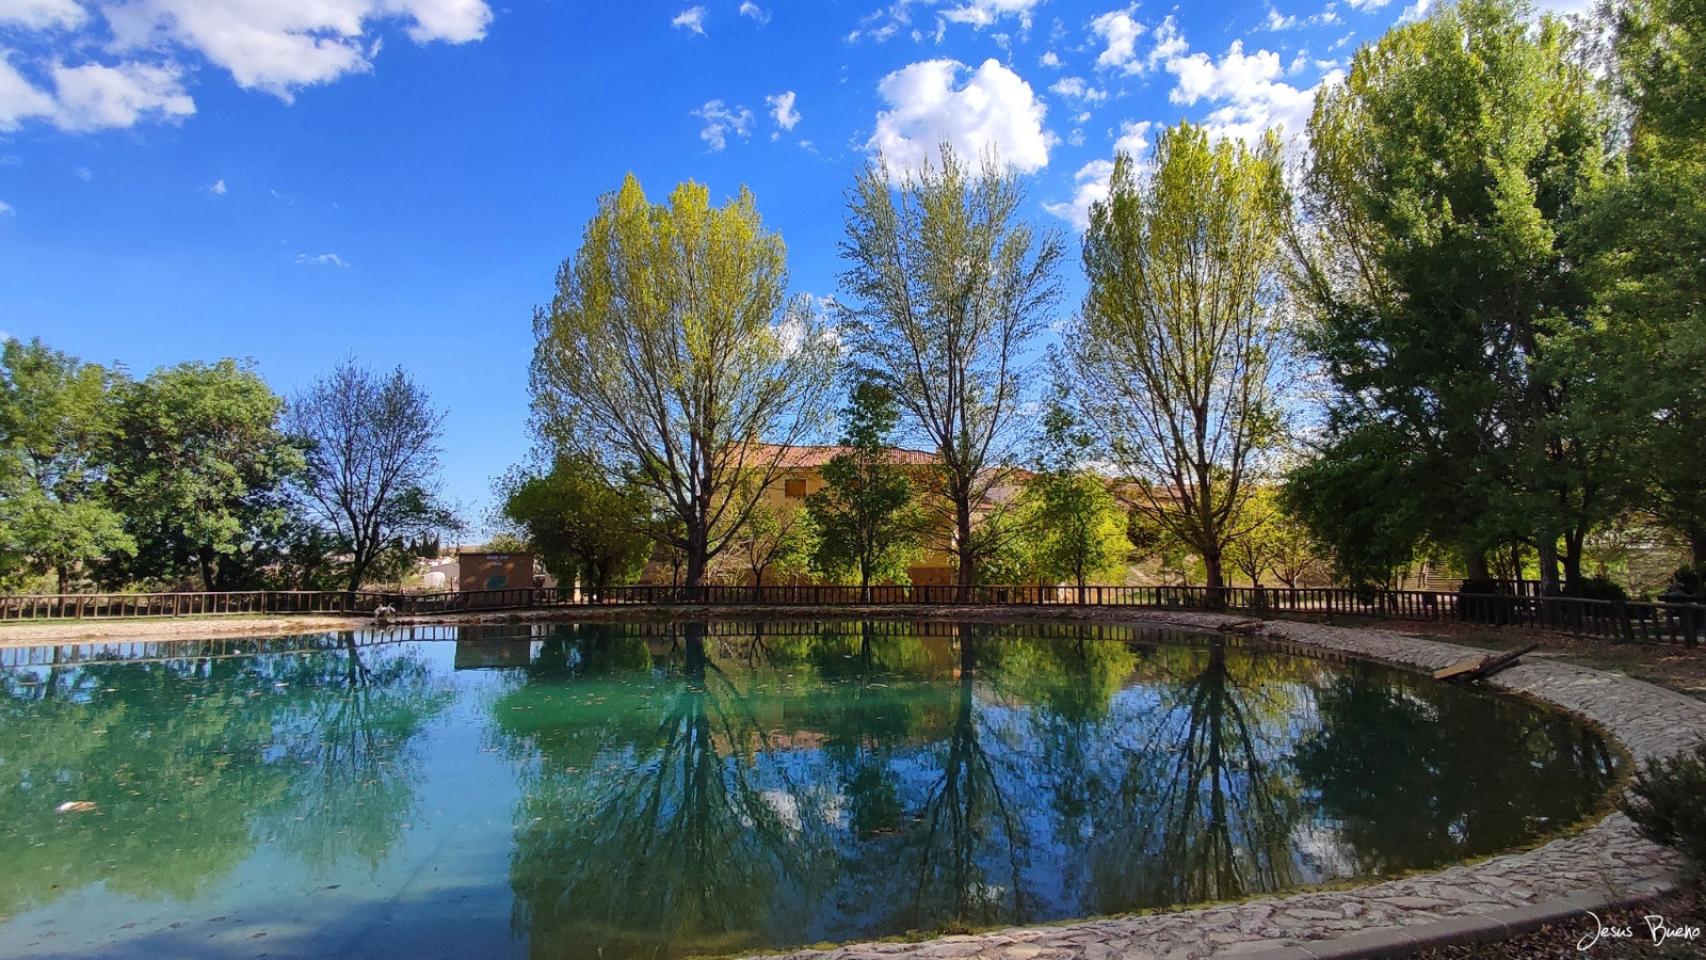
(296,180)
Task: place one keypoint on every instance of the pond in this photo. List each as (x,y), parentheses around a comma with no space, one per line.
(658,791)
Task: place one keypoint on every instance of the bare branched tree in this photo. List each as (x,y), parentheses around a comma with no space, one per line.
(946,286)
(373,449)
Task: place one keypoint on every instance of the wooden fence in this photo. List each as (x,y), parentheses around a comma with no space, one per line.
(1611,620)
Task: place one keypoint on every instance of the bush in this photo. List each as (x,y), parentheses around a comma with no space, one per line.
(1687,580)
(1597,588)
(1665,803)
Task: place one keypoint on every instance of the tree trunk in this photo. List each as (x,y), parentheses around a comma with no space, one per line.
(1475,564)
(1573,541)
(1214,576)
(1697,547)
(64,578)
(1548,551)
(967,574)
(697,560)
(205,558)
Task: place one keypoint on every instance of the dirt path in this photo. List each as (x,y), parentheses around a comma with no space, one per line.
(188,628)
(219,628)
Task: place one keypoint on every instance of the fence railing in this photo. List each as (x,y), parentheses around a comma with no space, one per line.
(1611,620)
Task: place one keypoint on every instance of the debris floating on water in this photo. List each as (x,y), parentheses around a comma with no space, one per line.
(75,806)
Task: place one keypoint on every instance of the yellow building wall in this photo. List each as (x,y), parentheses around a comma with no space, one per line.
(933,566)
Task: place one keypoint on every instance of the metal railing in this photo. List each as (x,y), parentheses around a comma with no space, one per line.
(1611,620)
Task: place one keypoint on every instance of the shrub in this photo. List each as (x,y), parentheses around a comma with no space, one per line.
(1598,588)
(1687,580)
(1665,803)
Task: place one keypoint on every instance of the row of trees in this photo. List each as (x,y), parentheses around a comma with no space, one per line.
(1486,269)
(1501,262)
(200,474)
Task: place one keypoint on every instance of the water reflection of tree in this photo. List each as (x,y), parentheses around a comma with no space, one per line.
(1476,774)
(348,728)
(678,836)
(189,763)
(1212,808)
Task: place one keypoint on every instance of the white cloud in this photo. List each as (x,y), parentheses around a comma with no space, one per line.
(1092,188)
(1120,32)
(19,99)
(720,121)
(1169,43)
(1076,88)
(1249,87)
(98,97)
(755,12)
(84,174)
(1049,59)
(1134,138)
(42,14)
(5,210)
(217,188)
(281,47)
(983,13)
(321,260)
(1417,11)
(993,109)
(453,21)
(1367,4)
(782,109)
(1091,180)
(692,20)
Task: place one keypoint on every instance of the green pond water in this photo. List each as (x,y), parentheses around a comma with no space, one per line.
(659,791)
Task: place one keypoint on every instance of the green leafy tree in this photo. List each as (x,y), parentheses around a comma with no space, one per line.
(776,540)
(945,288)
(672,349)
(865,517)
(1643,247)
(583,526)
(1445,172)
(201,464)
(57,418)
(372,464)
(1179,350)
(1079,526)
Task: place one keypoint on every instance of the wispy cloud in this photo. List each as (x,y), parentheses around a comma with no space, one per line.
(755,12)
(692,19)
(321,260)
(783,111)
(722,120)
(217,187)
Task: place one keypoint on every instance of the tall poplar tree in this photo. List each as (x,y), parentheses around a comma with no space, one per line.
(1179,348)
(673,354)
(945,288)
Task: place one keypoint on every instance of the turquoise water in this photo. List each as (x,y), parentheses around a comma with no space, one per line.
(641,791)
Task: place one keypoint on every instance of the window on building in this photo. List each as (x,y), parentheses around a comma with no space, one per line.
(794,488)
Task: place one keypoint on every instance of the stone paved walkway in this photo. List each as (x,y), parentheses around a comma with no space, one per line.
(1606,862)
